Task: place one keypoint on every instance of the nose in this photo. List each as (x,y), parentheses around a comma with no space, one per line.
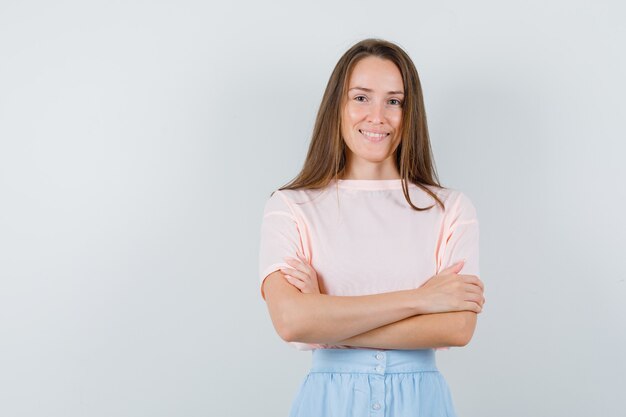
(376,113)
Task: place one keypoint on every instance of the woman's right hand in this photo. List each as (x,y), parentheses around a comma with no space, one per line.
(448,291)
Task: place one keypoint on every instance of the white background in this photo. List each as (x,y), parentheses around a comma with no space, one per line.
(140,140)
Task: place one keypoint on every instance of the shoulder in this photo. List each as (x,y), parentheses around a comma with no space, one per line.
(456,201)
(284,200)
(291,200)
(276,201)
(279,203)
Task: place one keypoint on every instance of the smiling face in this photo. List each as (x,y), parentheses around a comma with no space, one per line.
(371,119)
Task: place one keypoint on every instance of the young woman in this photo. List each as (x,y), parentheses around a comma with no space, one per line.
(365,258)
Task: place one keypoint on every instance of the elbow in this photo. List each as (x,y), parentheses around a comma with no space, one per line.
(465,330)
(287,333)
(283,331)
(285,307)
(287,324)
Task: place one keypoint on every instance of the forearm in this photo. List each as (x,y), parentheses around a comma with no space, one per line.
(419,332)
(326,319)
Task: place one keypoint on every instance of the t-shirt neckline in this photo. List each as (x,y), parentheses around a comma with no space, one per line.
(371,184)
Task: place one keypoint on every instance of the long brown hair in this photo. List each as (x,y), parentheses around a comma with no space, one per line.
(326,157)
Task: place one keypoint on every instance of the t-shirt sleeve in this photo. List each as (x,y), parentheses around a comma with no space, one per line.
(460,240)
(280,237)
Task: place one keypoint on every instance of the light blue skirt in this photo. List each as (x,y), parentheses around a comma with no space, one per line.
(373,383)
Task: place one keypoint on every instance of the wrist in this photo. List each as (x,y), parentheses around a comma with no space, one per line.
(418,305)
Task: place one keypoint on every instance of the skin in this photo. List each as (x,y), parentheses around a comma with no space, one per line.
(329,319)
(377,110)
(417,332)
(442,312)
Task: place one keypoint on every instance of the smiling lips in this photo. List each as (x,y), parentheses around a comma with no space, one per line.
(374,136)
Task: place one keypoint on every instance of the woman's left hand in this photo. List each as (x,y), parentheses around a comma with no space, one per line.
(302,275)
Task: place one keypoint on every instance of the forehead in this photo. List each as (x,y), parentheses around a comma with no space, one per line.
(377,74)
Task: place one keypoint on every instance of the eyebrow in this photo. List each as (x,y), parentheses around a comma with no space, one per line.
(369,90)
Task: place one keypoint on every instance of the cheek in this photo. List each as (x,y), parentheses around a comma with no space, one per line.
(354,113)
(349,119)
(396,119)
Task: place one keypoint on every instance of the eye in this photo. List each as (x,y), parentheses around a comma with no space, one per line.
(397,102)
(358,97)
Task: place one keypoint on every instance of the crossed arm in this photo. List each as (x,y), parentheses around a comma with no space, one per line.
(420,332)
(386,321)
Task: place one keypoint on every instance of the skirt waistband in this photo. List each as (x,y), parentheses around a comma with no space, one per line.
(373,361)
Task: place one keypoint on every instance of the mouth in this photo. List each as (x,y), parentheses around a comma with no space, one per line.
(374,136)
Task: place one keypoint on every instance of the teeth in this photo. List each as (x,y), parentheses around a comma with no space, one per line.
(373,135)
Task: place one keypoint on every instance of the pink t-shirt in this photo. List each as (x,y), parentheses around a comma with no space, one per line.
(362,237)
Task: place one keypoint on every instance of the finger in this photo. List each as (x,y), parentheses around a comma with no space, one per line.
(454,268)
(296,274)
(302,266)
(296,264)
(478,301)
(473,279)
(476,298)
(473,289)
(475,307)
(295,282)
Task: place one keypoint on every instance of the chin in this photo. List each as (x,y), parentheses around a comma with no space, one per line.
(374,158)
